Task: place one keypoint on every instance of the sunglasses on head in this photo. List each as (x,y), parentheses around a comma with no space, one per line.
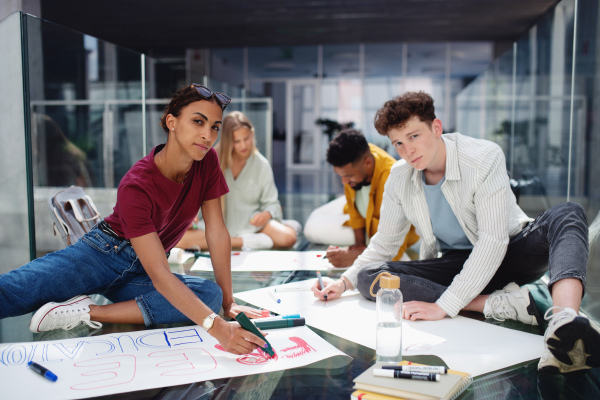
(206,93)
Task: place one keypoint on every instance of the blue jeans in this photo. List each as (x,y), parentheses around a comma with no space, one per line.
(97,263)
(556,241)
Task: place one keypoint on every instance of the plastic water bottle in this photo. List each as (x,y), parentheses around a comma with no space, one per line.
(389,319)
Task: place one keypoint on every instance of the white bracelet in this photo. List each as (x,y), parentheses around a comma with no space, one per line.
(344,282)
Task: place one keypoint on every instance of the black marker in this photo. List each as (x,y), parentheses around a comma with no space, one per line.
(418,368)
(394,373)
(42,371)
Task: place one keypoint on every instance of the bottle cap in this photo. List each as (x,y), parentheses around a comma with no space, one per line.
(390,282)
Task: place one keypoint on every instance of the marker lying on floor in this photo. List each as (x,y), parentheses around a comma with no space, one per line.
(281,323)
(431,369)
(292,289)
(394,373)
(274,297)
(279,317)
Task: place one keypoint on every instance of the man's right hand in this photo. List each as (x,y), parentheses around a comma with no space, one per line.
(333,289)
(342,257)
(235,339)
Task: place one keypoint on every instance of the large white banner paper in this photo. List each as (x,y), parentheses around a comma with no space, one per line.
(271,260)
(463,343)
(126,362)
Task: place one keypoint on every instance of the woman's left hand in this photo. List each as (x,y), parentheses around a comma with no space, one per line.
(414,310)
(232,310)
(260,218)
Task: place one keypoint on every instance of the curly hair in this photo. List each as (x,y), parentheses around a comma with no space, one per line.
(181,99)
(395,113)
(347,147)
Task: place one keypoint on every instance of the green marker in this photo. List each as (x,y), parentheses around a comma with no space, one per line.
(245,323)
(279,323)
(198,253)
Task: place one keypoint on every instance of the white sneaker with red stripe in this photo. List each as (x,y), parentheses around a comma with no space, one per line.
(66,315)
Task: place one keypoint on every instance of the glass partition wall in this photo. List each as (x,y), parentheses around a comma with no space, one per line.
(540,102)
(78,111)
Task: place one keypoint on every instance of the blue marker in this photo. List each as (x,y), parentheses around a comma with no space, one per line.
(275,298)
(280,317)
(42,371)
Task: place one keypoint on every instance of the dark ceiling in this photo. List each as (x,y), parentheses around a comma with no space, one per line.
(168,27)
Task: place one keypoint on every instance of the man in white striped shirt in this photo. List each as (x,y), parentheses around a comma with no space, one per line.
(455,190)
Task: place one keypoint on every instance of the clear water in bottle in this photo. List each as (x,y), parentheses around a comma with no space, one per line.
(389,342)
(388,347)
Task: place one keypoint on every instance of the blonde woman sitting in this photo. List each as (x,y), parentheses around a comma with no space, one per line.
(251,208)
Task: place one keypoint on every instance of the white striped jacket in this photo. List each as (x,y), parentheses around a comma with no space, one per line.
(478,191)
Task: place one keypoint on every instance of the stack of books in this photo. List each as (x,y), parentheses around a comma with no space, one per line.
(370,387)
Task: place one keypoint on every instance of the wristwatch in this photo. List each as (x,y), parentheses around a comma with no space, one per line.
(209,321)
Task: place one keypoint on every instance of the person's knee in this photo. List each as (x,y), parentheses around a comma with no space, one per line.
(210,293)
(571,211)
(365,279)
(288,239)
(282,235)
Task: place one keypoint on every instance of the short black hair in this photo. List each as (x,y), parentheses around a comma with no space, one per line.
(347,147)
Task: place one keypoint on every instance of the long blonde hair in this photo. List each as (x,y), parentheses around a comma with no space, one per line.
(231,123)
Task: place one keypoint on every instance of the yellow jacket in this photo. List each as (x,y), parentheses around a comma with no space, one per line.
(383,164)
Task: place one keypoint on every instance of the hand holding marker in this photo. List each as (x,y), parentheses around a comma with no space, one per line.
(245,323)
(321,283)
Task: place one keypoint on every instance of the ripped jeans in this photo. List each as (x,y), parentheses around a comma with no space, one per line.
(97,263)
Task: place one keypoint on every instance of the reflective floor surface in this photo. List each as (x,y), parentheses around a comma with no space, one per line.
(331,378)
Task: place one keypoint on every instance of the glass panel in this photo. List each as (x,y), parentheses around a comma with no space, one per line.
(14,223)
(340,61)
(303,123)
(259,113)
(227,65)
(426,71)
(341,103)
(585,160)
(86,117)
(383,60)
(282,62)
(426,59)
(376,92)
(469,59)
(550,126)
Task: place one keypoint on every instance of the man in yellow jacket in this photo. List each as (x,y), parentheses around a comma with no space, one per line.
(364,169)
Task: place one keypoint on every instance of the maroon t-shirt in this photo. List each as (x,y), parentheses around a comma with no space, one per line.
(149,202)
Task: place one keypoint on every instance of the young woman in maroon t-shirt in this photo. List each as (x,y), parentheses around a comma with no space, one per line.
(124,257)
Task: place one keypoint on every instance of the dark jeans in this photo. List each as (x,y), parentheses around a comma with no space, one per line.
(556,241)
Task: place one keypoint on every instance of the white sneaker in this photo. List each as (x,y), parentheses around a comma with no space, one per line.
(512,302)
(571,343)
(256,241)
(66,315)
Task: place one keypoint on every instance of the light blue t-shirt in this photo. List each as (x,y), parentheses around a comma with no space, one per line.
(446,228)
